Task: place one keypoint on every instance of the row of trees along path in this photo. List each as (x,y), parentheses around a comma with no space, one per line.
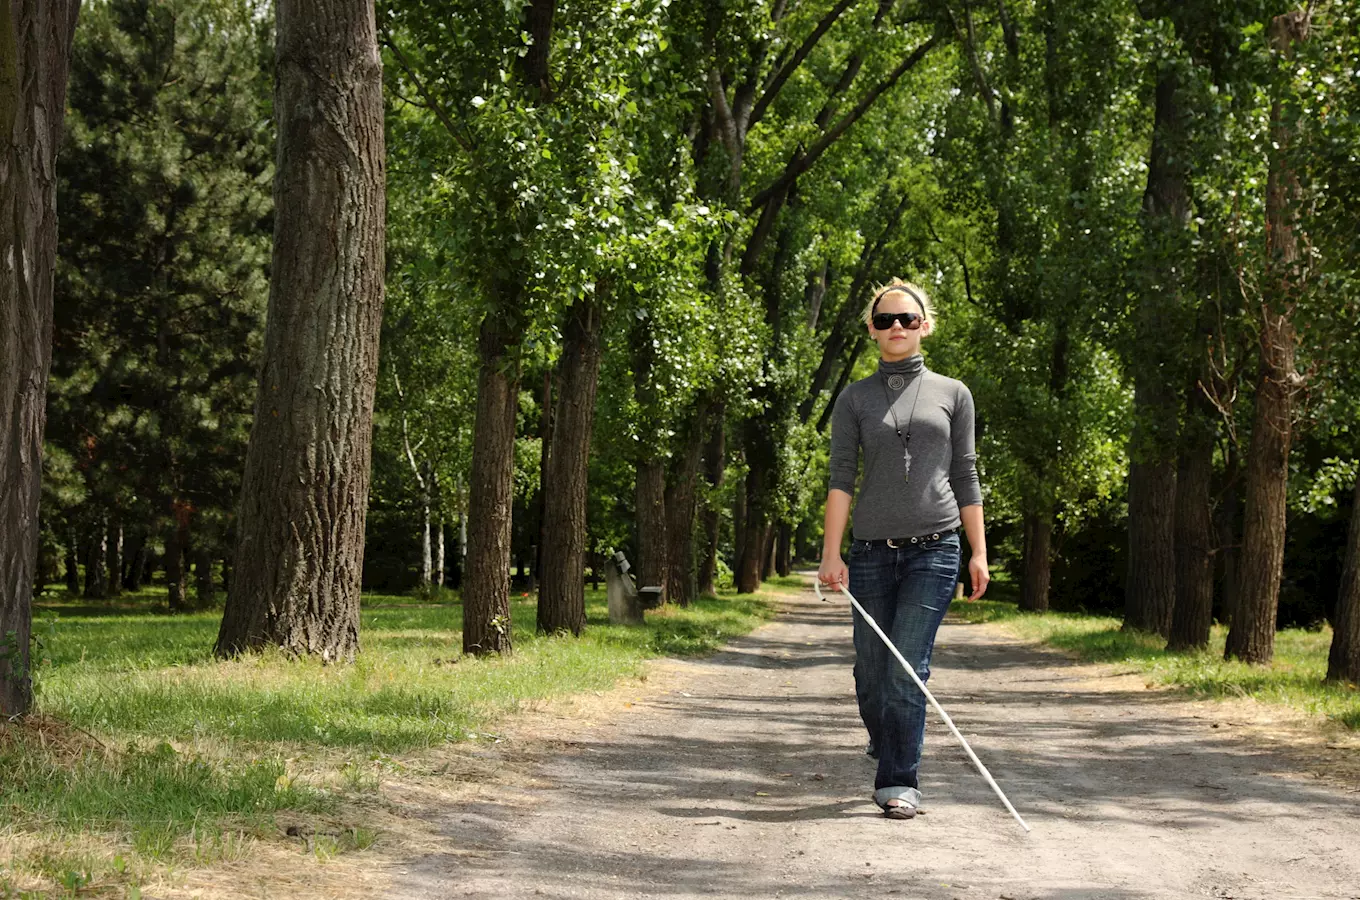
(671,214)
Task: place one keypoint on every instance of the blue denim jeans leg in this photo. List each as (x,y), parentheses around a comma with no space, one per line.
(907,591)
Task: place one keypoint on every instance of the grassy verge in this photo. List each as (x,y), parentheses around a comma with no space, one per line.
(1293,679)
(146,751)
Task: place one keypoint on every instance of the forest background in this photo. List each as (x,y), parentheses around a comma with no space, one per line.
(627,248)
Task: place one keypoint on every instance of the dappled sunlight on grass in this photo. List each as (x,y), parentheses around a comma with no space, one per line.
(132,674)
(143,736)
(1293,678)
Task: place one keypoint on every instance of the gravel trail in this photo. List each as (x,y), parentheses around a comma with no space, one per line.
(742,775)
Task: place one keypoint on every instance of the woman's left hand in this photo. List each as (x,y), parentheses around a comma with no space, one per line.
(979,576)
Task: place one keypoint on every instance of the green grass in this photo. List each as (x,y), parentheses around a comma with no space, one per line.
(1294,678)
(194,748)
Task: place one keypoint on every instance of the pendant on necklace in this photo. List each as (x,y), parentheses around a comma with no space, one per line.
(896,382)
(906,464)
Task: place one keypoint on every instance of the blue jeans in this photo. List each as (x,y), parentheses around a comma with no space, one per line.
(907,591)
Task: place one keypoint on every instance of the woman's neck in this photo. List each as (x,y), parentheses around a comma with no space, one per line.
(907,365)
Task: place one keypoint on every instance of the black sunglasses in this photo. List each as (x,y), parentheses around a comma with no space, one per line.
(910,320)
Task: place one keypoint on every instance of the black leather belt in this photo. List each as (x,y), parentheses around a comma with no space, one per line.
(898,543)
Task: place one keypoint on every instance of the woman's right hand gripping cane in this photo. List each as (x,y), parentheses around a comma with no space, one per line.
(833,573)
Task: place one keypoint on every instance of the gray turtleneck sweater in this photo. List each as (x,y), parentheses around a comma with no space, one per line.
(943,474)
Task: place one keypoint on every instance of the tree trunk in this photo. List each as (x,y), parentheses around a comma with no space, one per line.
(715,466)
(1151,586)
(754,549)
(783,560)
(681,507)
(1194,530)
(545,443)
(439,552)
(426,549)
(35,53)
(1038,559)
(562,542)
(304,493)
(72,562)
(113,581)
(205,596)
(1150,591)
(651,524)
(1343,662)
(136,561)
(176,576)
(96,561)
(1252,636)
(486,571)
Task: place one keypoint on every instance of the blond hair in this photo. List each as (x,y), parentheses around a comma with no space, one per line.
(913,292)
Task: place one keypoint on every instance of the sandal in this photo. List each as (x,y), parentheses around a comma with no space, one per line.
(898,808)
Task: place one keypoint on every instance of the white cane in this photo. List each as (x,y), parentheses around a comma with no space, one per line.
(929,696)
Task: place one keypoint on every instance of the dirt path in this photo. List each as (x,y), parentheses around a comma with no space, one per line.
(742,776)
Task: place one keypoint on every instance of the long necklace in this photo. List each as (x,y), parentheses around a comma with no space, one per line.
(897,383)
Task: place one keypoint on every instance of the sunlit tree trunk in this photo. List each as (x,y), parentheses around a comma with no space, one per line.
(304,494)
(1195,535)
(1150,590)
(681,507)
(562,541)
(486,570)
(1252,636)
(35,55)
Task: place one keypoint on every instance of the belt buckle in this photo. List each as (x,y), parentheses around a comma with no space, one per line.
(892,544)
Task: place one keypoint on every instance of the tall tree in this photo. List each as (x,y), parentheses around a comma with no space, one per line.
(299,552)
(35,54)
(1150,593)
(1252,635)
(1343,658)
(561,599)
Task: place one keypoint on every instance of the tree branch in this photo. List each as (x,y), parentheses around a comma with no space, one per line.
(805,49)
(970,45)
(801,164)
(431,103)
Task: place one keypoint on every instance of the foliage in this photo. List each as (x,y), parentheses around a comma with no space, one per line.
(1293,678)
(164,190)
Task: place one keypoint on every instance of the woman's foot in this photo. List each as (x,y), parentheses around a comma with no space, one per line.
(897,808)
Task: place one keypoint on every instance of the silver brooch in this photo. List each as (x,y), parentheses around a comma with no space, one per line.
(897,382)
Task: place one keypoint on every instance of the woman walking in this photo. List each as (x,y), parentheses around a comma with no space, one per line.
(920,485)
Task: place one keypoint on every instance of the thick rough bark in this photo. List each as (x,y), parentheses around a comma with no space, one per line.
(754,551)
(486,569)
(304,495)
(35,54)
(561,597)
(681,506)
(651,524)
(1038,553)
(1151,586)
(1343,662)
(1252,636)
(1194,531)
(715,466)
